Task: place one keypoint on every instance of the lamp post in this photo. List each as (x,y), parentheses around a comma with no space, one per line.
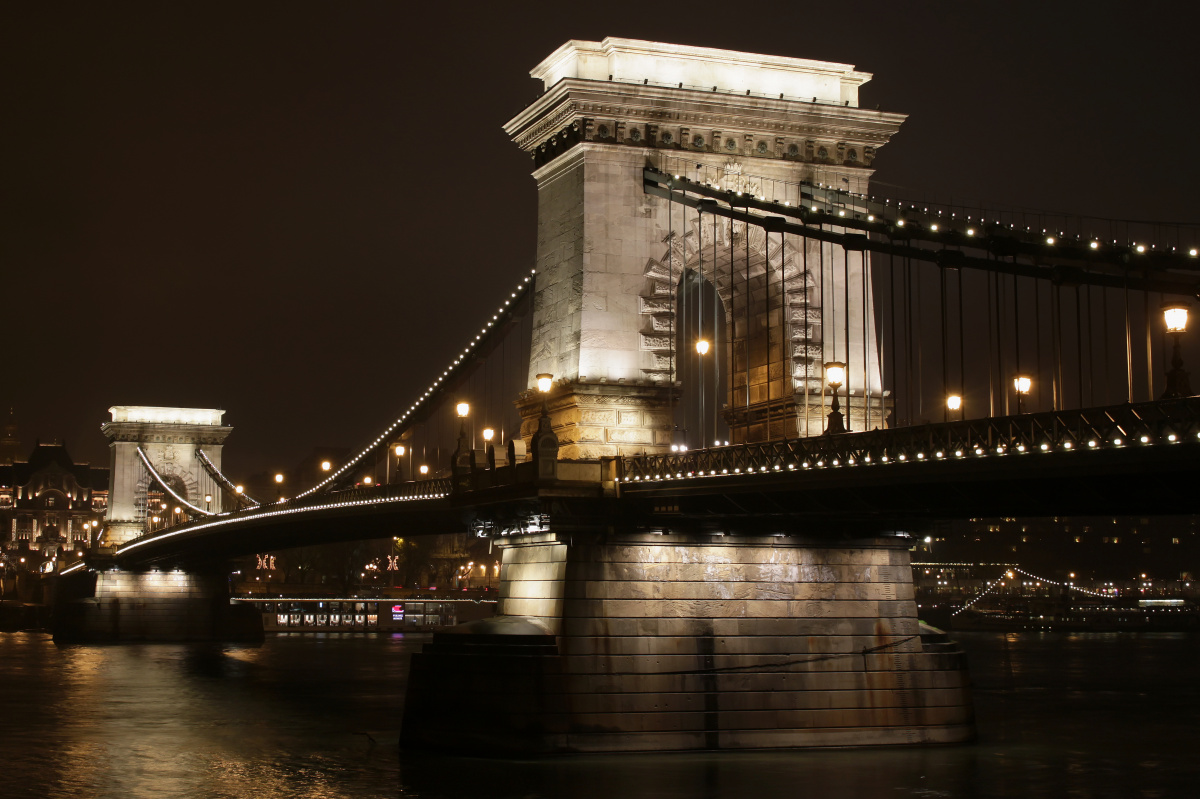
(545,443)
(208,502)
(400,449)
(544,382)
(279,486)
(702,350)
(463,409)
(1175,316)
(835,375)
(1022,384)
(488,451)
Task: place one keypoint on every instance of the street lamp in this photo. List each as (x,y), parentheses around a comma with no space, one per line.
(208,502)
(954,402)
(279,486)
(544,382)
(325,466)
(835,375)
(1022,384)
(702,346)
(488,434)
(424,470)
(399,449)
(1175,315)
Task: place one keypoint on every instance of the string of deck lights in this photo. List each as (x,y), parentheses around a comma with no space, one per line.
(521,288)
(1008,573)
(238,518)
(987,590)
(907,217)
(1072,586)
(650,461)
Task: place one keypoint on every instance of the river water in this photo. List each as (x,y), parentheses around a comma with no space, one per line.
(1059,715)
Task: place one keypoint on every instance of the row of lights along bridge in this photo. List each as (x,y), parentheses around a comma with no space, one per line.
(1175,316)
(401,451)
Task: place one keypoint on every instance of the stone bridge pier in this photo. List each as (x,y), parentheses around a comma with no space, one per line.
(115,605)
(644,642)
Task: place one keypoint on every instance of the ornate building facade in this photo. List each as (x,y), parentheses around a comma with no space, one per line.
(50,503)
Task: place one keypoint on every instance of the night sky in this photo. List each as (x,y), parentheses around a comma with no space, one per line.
(296,211)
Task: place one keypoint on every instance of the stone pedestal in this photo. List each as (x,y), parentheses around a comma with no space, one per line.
(791,417)
(652,643)
(602,420)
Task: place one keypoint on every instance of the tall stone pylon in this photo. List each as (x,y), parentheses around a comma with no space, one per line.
(614,262)
(170,439)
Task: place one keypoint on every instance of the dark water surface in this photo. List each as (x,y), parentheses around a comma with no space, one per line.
(1060,715)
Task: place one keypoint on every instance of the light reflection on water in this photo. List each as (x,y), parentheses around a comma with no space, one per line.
(318,716)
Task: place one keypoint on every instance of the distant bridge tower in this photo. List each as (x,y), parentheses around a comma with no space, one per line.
(614,262)
(170,439)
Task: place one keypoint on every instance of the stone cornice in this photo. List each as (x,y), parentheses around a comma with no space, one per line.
(573,100)
(143,432)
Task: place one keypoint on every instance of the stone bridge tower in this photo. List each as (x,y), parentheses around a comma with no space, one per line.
(612,259)
(170,439)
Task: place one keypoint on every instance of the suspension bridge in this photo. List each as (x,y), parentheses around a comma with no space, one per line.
(699,427)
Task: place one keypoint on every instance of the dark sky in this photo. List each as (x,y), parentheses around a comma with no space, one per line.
(295,211)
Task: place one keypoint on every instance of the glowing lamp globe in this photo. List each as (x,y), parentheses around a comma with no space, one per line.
(702,346)
(462,409)
(488,434)
(954,402)
(1022,384)
(1175,314)
(835,373)
(543,382)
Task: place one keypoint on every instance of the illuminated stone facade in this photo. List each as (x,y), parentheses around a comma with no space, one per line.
(611,256)
(170,438)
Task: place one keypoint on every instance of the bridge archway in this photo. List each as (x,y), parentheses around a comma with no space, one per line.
(768,303)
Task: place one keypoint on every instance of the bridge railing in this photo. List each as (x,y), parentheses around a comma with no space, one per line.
(1161,421)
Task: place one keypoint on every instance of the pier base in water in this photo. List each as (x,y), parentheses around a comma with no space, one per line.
(114,605)
(688,642)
